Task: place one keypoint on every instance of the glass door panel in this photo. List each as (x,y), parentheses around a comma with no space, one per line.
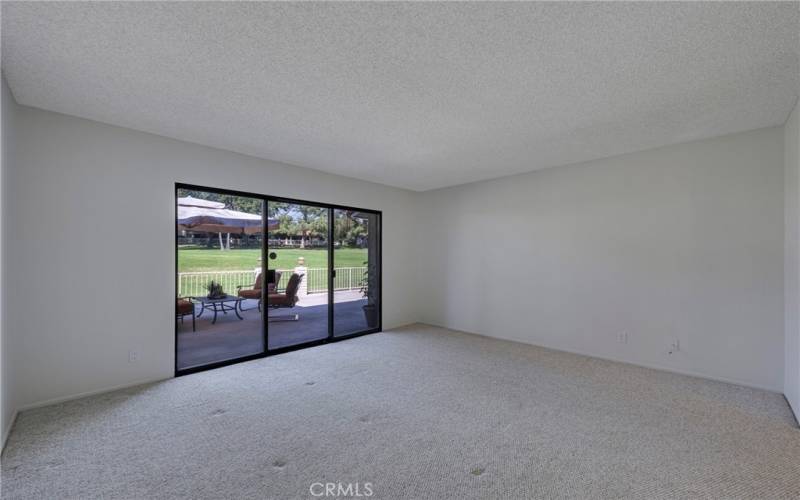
(219,248)
(297,247)
(356,284)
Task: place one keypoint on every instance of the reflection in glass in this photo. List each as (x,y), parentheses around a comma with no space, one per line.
(219,278)
(298,276)
(356,296)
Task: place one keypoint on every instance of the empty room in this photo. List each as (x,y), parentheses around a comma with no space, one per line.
(400,250)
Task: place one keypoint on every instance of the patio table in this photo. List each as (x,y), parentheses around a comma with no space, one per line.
(220,304)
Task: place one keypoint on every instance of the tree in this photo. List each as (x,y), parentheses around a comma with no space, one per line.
(309,222)
(286,227)
(303,221)
(275,209)
(348,230)
(341,226)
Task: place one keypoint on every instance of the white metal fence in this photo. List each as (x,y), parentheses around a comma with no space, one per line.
(347,278)
(193,284)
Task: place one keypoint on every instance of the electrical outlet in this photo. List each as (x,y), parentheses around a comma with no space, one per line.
(622,337)
(133,356)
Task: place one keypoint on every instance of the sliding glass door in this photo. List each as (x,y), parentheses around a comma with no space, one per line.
(356,288)
(257,275)
(219,265)
(299,253)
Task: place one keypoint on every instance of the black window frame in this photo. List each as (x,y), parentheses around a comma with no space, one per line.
(265,324)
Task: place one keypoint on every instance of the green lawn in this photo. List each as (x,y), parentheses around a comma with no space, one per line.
(195,259)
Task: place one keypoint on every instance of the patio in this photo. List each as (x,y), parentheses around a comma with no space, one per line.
(231,338)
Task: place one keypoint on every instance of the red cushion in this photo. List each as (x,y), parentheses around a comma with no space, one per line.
(185,306)
(279,299)
(250,294)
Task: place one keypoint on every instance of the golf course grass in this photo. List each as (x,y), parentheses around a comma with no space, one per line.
(201,259)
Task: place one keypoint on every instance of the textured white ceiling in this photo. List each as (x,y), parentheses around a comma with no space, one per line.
(415,95)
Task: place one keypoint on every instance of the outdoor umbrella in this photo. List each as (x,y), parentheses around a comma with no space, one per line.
(195,214)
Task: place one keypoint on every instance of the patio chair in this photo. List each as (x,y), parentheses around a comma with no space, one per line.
(254,291)
(185,307)
(288,299)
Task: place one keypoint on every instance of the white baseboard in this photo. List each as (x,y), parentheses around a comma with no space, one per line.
(7,430)
(690,373)
(796,421)
(62,399)
(397,327)
(652,366)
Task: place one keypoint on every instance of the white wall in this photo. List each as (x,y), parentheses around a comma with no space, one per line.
(792,259)
(90,238)
(8,108)
(683,241)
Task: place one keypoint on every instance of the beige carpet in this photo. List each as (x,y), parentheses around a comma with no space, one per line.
(419,413)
